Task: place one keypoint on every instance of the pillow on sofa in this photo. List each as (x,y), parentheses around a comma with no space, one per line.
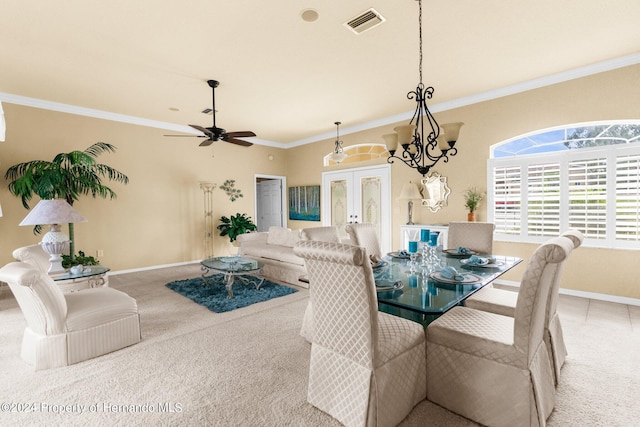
(283,236)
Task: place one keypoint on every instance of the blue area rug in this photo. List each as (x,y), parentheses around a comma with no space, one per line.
(214,295)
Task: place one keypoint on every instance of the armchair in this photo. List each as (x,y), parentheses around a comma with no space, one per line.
(63,329)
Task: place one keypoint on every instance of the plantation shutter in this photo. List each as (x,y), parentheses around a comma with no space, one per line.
(587,208)
(543,198)
(628,198)
(507,209)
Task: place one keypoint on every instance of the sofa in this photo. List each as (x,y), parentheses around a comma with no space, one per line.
(274,248)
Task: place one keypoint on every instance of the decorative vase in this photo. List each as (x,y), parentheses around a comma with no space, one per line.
(471,216)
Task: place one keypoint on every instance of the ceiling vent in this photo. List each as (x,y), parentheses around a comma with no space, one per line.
(365,21)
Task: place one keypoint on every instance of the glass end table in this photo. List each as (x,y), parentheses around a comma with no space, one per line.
(233,267)
(91,276)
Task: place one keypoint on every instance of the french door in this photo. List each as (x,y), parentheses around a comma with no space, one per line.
(359,195)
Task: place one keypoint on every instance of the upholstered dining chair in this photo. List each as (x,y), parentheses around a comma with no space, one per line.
(364,235)
(321,234)
(501,301)
(367,368)
(495,369)
(63,329)
(477,236)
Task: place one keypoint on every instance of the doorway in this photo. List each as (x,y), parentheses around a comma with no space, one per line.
(270,201)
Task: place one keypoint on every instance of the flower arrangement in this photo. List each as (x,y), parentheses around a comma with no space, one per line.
(472,198)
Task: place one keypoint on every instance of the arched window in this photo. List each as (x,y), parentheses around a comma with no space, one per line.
(359,153)
(584,176)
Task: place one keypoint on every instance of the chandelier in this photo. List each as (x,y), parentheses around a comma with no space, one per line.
(338,154)
(421,146)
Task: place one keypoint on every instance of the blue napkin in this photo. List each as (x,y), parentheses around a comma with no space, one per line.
(478,260)
(452,274)
(403,254)
(463,251)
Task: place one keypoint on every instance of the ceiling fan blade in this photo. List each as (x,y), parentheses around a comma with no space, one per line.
(238,142)
(188,136)
(206,143)
(241,134)
(203,130)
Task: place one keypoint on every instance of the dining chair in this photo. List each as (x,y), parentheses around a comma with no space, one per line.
(322,234)
(502,301)
(494,369)
(63,329)
(367,368)
(364,235)
(477,236)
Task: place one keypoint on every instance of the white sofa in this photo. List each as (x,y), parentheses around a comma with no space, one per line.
(274,248)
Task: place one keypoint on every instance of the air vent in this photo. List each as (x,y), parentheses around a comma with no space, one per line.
(365,21)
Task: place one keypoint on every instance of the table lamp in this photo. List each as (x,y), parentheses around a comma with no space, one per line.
(55,242)
(410,192)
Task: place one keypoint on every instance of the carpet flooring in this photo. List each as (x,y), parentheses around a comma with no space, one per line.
(249,367)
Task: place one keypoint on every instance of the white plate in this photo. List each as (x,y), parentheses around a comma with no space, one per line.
(468,279)
(380,265)
(397,285)
(230,259)
(497,264)
(397,255)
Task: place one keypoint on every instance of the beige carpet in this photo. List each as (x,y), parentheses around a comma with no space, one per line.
(249,367)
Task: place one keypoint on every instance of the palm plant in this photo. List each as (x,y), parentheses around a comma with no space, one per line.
(68,176)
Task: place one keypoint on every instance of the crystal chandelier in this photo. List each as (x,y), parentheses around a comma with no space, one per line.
(420,150)
(338,154)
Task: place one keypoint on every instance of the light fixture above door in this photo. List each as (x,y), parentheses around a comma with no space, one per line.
(338,154)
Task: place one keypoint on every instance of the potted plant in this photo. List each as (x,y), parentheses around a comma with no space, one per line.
(68,176)
(235,225)
(472,198)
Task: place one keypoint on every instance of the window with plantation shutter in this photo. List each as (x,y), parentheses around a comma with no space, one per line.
(507,194)
(628,198)
(585,177)
(543,199)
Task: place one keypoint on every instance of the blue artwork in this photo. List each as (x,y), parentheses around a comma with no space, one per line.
(304,203)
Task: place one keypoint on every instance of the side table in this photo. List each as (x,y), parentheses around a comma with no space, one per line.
(93,276)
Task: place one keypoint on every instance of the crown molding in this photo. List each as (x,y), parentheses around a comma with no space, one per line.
(564,76)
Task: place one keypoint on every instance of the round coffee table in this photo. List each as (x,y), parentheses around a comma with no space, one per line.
(233,267)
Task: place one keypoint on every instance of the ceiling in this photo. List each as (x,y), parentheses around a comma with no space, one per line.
(284,78)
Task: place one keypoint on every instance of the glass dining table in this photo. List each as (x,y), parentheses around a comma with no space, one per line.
(420,292)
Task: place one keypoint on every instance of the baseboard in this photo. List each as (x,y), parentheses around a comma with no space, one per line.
(582,294)
(151,267)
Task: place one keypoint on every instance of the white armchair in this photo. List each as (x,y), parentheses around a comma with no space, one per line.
(495,369)
(367,368)
(37,257)
(63,329)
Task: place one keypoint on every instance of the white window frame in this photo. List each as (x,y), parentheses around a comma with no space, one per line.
(611,153)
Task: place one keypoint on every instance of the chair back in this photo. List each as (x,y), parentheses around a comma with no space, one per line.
(34,255)
(477,236)
(345,305)
(41,301)
(323,234)
(542,271)
(365,236)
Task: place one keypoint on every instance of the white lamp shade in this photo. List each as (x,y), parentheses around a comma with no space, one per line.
(405,134)
(56,211)
(451,131)
(391,141)
(338,157)
(410,192)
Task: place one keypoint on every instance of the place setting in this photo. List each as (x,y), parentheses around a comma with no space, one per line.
(459,252)
(451,275)
(482,262)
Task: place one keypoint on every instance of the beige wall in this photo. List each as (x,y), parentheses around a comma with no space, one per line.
(158,217)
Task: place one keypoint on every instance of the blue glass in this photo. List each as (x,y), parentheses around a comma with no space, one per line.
(433,239)
(413,246)
(424,235)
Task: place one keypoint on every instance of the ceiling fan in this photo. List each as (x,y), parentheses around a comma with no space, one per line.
(215,133)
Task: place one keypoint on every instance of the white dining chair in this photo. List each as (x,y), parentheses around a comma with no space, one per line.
(494,369)
(367,368)
(502,301)
(365,235)
(477,236)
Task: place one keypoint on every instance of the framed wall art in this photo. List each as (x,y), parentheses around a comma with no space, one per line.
(304,203)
